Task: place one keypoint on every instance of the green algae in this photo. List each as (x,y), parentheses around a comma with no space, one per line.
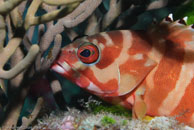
(106,121)
(186,10)
(113,109)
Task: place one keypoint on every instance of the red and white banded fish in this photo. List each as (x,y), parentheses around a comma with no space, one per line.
(149,72)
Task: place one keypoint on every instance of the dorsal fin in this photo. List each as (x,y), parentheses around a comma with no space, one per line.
(169,19)
(177,32)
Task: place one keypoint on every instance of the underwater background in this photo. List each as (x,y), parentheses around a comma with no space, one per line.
(134,14)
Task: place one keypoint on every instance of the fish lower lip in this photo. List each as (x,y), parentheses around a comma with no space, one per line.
(65,66)
(61,68)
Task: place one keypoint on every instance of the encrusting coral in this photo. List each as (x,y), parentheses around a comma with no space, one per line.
(74,119)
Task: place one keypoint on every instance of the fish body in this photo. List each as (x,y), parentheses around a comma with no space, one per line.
(149,72)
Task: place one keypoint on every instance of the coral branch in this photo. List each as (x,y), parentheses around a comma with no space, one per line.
(93,26)
(11,121)
(16,18)
(27,42)
(57,90)
(15,59)
(21,65)
(9,50)
(60,2)
(31,13)
(48,8)
(85,9)
(27,121)
(2,32)
(53,53)
(9,27)
(32,20)
(7,6)
(54,14)
(114,11)
(71,33)
(157,4)
(22,7)
(56,86)
(49,35)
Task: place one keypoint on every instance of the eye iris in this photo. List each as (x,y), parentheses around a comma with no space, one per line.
(88,53)
(85,53)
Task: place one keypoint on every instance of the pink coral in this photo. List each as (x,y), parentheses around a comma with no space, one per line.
(67,123)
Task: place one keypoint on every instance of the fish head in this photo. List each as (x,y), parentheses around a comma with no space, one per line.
(102,64)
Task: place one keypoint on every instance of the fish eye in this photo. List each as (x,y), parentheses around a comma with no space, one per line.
(88,53)
(85,53)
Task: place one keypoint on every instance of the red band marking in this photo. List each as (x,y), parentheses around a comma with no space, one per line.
(109,54)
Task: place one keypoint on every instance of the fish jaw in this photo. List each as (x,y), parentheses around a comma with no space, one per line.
(61,69)
(65,70)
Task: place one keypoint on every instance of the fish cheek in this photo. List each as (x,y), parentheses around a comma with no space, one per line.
(96,76)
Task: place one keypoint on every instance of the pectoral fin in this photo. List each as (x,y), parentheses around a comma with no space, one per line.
(139,108)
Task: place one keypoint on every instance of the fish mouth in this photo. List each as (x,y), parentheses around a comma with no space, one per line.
(61,68)
(65,70)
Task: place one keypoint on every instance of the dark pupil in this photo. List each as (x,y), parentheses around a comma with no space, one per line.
(85,53)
